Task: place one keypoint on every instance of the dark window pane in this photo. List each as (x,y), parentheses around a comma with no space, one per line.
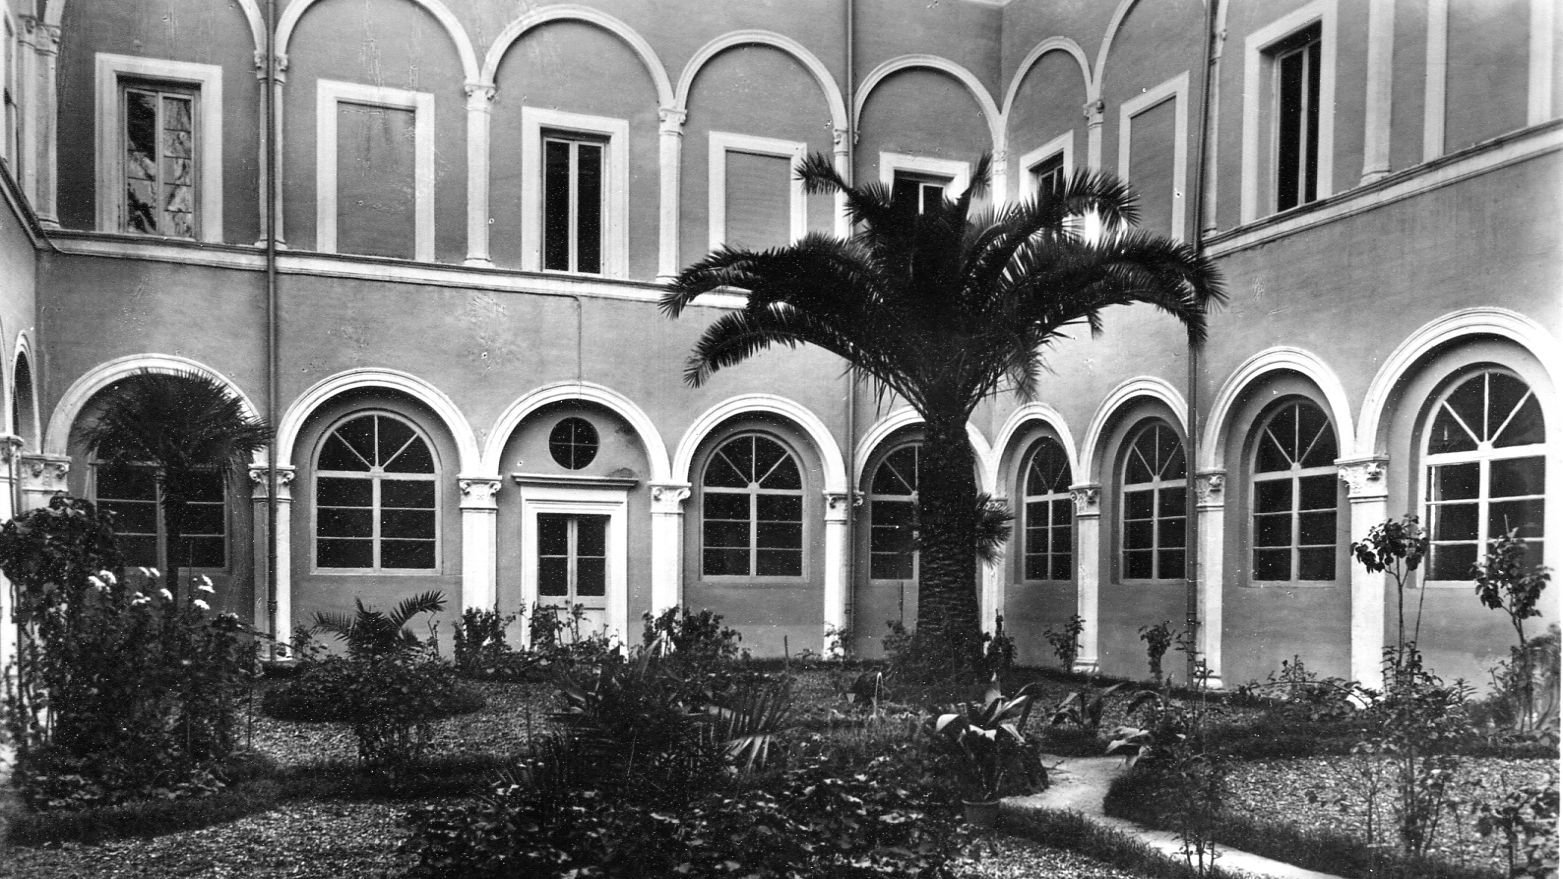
(1316,564)
(206,552)
(573,443)
(1169,564)
(723,505)
(410,493)
(784,475)
(1138,504)
(1455,481)
(1271,456)
(740,453)
(1527,516)
(1061,540)
(1036,567)
(1323,453)
(779,563)
(405,554)
(359,436)
(1172,533)
(1525,427)
(1318,492)
(407,523)
(1137,565)
(1273,530)
(334,522)
(344,553)
(588,210)
(780,508)
(139,551)
(338,492)
(132,518)
(1448,435)
(893,512)
(766,456)
(393,435)
(1453,521)
(1316,529)
(591,578)
(1311,121)
(1291,78)
(716,533)
(553,534)
(1451,562)
(1272,564)
(415,458)
(725,562)
(126,483)
(1139,466)
(1062,565)
(1063,512)
(1171,502)
(208,486)
(1469,401)
(1138,535)
(890,566)
(779,536)
(205,518)
(591,535)
(556,205)
(1518,476)
(721,473)
(553,576)
(337,455)
(1273,496)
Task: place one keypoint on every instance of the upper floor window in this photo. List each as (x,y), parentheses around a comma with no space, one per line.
(141,530)
(572,204)
(1048,513)
(752,510)
(1485,471)
(755,200)
(159,159)
(1296,67)
(919,192)
(574,200)
(1155,490)
(1049,173)
(159,150)
(376,497)
(892,510)
(1294,498)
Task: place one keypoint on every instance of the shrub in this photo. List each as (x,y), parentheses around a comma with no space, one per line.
(1157,639)
(481,652)
(340,689)
(1066,644)
(119,695)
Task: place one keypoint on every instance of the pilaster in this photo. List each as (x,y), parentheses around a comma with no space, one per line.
(667,543)
(1095,113)
(281,620)
(1210,508)
(42,476)
(671,156)
(1367,492)
(47,109)
(479,542)
(480,105)
(1381,49)
(841,154)
(838,523)
(1088,572)
(281,76)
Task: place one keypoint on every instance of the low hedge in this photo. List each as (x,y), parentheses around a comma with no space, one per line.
(145,817)
(1073,831)
(1139,797)
(333,689)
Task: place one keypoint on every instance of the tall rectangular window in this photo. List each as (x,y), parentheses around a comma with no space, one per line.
(572,558)
(1296,66)
(917,190)
(572,204)
(159,158)
(1048,173)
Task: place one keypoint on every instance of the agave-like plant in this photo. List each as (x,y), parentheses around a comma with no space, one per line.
(374,634)
(751,720)
(985,734)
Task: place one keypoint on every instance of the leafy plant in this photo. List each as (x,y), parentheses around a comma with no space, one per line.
(1414,720)
(987,735)
(1066,644)
(1084,707)
(1398,549)
(374,634)
(481,652)
(1158,639)
(1527,820)
(1503,583)
(1000,653)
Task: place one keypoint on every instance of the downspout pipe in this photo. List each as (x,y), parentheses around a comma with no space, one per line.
(850,586)
(1191,495)
(269,101)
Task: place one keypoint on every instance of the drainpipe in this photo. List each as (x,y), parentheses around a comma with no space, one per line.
(1191,500)
(272,369)
(849,620)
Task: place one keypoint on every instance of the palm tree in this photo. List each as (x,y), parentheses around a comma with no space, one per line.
(374,634)
(945,308)
(183,425)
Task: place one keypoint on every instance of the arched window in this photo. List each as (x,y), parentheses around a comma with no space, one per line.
(132,494)
(1049,515)
(1294,497)
(892,511)
(1486,471)
(752,510)
(375,497)
(1155,488)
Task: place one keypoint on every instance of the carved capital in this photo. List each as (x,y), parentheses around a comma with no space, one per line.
(1210,487)
(1364,477)
(477,492)
(672,120)
(1087,498)
(45,474)
(668,498)
(839,138)
(479,93)
(837,503)
(1094,112)
(1000,158)
(260,485)
(10,447)
(47,39)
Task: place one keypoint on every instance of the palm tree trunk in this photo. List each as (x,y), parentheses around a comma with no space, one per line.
(174,526)
(947,507)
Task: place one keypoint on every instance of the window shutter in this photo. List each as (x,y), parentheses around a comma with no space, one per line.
(376,208)
(759,200)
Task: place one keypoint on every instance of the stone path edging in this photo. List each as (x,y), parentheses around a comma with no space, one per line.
(1079,784)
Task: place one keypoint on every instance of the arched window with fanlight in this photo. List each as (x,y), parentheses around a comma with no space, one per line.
(376,495)
(1485,471)
(751,510)
(1048,513)
(1155,490)
(1295,491)
(892,511)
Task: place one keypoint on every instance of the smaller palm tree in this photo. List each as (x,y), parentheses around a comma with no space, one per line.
(181,424)
(375,634)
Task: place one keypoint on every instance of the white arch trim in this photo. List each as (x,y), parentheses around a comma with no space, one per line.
(885,427)
(58,437)
(1018,422)
(1113,25)
(1051,44)
(1212,452)
(827,83)
(1143,386)
(441,12)
(379,379)
(56,11)
(494,447)
(24,348)
(572,12)
(990,110)
(818,433)
(1500,322)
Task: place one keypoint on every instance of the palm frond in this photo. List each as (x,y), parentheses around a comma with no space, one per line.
(432,601)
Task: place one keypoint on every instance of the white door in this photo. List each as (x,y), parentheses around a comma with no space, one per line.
(572,566)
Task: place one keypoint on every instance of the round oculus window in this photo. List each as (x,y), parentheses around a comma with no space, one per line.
(573,443)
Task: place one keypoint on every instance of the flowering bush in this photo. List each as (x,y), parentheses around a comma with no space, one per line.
(120,694)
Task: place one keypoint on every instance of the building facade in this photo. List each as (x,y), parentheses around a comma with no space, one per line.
(474,206)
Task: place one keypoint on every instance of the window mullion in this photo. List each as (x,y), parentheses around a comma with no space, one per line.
(571,556)
(374,519)
(573,234)
(754,531)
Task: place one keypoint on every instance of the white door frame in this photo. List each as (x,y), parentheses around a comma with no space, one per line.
(578,495)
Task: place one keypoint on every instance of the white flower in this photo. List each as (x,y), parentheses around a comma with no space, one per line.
(206,587)
(201,604)
(96,583)
(108,577)
(167,596)
(154,573)
(139,600)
